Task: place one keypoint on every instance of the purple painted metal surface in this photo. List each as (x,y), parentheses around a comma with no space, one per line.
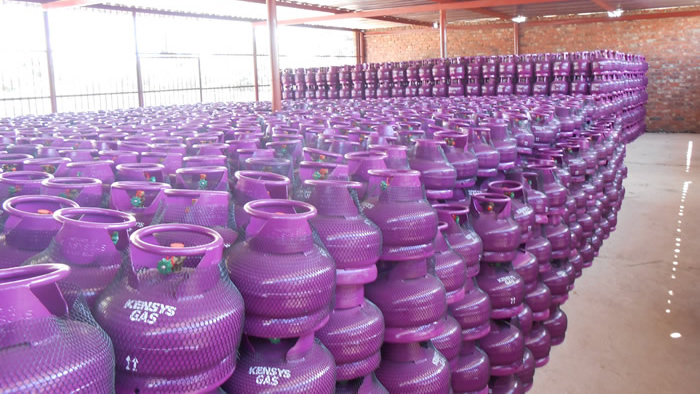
(287,280)
(93,242)
(174,316)
(46,329)
(28,226)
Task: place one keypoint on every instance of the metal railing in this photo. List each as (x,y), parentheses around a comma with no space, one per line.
(91,77)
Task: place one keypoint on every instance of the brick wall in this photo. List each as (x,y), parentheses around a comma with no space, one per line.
(671,45)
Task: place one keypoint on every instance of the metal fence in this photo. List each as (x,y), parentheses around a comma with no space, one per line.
(86,59)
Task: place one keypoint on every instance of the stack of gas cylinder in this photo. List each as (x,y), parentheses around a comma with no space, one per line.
(313,83)
(404,245)
(526,75)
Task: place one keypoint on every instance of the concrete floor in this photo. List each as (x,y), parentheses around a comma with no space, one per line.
(642,288)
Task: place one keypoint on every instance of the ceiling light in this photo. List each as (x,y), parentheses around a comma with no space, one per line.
(519,19)
(615,14)
(435,25)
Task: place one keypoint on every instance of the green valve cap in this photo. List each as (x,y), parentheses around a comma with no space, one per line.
(165,266)
(136,202)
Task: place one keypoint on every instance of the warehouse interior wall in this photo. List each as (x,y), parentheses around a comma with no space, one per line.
(671,46)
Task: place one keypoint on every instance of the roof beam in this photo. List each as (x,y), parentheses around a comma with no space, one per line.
(414,9)
(54,5)
(482,11)
(339,11)
(546,22)
(202,16)
(495,14)
(283,3)
(604,5)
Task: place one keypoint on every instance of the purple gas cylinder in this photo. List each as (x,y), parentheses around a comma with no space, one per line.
(256,185)
(205,208)
(355,330)
(99,169)
(488,157)
(510,384)
(316,170)
(412,300)
(414,368)
(141,199)
(500,235)
(396,156)
(504,143)
(360,163)
(55,166)
(79,154)
(449,341)
(539,342)
(353,241)
(460,236)
(548,183)
(87,192)
(471,371)
(93,242)
(204,160)
(556,324)
(523,213)
(450,267)
(520,130)
(460,157)
(437,174)
(396,202)
(505,345)
(21,183)
(287,280)
(559,280)
(174,316)
(28,226)
(11,162)
(313,154)
(282,366)
(46,328)
(525,264)
(202,178)
(527,372)
(539,297)
(490,214)
(365,385)
(543,126)
(117,157)
(472,312)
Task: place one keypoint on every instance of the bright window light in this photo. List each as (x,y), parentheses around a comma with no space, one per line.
(615,14)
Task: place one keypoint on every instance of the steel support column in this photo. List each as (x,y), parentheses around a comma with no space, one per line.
(139,79)
(255,65)
(49,63)
(516,38)
(443,34)
(363,47)
(199,73)
(274,55)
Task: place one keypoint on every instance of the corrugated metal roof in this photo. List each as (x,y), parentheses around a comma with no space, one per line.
(252,10)
(244,9)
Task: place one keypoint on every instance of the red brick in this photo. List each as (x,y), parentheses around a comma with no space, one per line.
(671,46)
